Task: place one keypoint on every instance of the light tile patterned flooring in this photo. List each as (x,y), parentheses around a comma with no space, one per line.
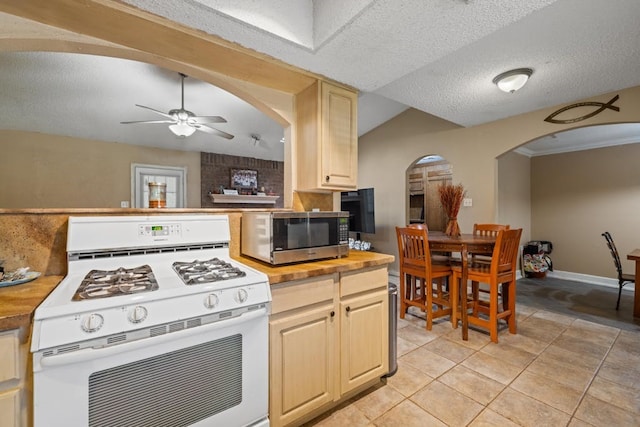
(557,371)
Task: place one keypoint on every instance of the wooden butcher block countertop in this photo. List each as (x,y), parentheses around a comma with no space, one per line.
(18,302)
(356,260)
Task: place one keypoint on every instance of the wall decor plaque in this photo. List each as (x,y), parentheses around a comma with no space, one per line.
(551,118)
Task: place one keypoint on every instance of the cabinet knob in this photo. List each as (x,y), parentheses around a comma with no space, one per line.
(333,313)
(326,178)
(348,309)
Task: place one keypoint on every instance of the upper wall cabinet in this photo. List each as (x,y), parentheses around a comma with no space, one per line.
(327,147)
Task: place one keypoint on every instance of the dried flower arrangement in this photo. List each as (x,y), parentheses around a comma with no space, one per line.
(451,199)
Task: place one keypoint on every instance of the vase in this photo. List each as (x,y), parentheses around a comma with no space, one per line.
(453,229)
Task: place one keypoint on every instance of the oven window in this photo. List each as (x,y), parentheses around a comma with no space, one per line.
(173,389)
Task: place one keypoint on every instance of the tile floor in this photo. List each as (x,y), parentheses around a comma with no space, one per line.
(558,370)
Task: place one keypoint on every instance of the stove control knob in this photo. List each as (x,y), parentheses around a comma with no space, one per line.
(211,301)
(242,295)
(137,314)
(92,322)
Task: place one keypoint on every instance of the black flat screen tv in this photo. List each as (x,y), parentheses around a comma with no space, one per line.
(360,205)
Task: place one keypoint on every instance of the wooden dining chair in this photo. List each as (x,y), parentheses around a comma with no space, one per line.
(485,230)
(623,278)
(438,257)
(422,282)
(500,273)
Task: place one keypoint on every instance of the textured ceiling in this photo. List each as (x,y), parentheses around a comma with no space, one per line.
(438,56)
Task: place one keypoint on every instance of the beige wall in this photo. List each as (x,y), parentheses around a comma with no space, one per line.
(577,196)
(384,155)
(386,152)
(514,192)
(50,171)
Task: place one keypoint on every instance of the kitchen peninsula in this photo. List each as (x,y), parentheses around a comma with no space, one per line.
(328,332)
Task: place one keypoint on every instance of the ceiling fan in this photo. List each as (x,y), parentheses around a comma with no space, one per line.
(184,123)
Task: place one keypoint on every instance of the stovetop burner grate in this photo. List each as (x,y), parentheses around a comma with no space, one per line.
(212,270)
(108,283)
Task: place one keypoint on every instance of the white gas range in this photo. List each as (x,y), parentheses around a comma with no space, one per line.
(154,325)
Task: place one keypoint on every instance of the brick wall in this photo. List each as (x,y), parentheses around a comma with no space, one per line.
(215,171)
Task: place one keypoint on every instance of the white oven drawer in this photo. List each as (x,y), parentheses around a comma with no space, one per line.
(216,374)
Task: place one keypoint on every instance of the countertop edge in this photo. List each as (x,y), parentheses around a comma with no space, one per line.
(356,260)
(18,303)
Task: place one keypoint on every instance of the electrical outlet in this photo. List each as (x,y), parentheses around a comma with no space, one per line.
(124,204)
(467,202)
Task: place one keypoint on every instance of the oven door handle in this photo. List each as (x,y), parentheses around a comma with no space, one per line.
(79,356)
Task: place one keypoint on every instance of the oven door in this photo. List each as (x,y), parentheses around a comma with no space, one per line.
(215,374)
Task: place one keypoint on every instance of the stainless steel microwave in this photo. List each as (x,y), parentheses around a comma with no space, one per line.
(286,237)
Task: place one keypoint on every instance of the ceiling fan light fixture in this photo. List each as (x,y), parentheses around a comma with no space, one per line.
(512,80)
(184,122)
(182,129)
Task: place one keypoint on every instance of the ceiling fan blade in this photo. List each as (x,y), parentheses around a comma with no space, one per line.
(148,121)
(156,111)
(208,119)
(214,131)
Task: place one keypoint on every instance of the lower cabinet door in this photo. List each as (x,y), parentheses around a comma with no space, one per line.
(364,339)
(301,363)
(10,408)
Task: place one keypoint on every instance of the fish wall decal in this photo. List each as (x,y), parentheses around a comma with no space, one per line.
(602,106)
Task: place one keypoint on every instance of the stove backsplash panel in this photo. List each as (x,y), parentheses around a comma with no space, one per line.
(38,238)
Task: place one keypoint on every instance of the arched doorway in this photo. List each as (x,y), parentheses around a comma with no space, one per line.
(569,187)
(424,176)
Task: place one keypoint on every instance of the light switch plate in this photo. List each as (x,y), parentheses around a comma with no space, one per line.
(124,204)
(467,202)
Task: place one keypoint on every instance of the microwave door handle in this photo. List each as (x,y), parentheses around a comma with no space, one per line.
(94,353)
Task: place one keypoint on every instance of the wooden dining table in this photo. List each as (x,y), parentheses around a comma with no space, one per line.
(464,244)
(635,256)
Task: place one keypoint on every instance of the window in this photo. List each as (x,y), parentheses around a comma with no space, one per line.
(174,177)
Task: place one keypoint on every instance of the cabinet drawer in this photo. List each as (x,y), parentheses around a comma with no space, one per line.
(9,347)
(363,280)
(301,293)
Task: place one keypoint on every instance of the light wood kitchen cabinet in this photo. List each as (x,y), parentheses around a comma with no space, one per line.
(13,378)
(328,340)
(416,185)
(302,348)
(364,326)
(327,138)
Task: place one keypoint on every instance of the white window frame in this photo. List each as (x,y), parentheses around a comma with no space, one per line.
(139,197)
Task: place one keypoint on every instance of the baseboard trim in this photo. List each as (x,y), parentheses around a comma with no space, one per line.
(588,278)
(394,277)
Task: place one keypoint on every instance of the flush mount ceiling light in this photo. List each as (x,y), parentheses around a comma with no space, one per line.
(511,81)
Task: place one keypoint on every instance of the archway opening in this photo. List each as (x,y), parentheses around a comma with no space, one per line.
(423,177)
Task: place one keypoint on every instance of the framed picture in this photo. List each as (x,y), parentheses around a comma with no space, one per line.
(244,178)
